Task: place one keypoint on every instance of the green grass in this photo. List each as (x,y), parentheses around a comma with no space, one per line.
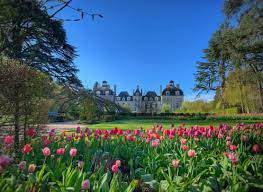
(148,123)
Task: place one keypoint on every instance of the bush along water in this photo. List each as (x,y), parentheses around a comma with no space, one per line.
(198,158)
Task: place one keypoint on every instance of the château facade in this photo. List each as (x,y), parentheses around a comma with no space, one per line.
(171,97)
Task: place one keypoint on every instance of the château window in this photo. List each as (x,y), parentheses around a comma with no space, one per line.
(145,99)
(156,98)
(98,92)
(118,98)
(151,99)
(107,92)
(128,98)
(168,93)
(177,93)
(123,99)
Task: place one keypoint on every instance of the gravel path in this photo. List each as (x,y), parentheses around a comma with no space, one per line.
(65,125)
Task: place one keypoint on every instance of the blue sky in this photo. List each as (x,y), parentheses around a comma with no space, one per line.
(145,42)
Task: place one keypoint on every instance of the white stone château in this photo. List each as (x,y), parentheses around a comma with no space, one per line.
(171,97)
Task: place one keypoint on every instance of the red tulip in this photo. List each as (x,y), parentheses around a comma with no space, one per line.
(31,132)
(27,148)
(256,148)
(233,147)
(185,147)
(8,140)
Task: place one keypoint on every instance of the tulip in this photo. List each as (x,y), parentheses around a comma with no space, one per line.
(228,143)
(118,163)
(73,152)
(244,138)
(80,164)
(31,168)
(175,163)
(31,132)
(155,143)
(114,168)
(60,151)
(22,165)
(183,141)
(185,147)
(5,161)
(256,148)
(191,153)
(8,140)
(27,148)
(46,151)
(85,184)
(232,147)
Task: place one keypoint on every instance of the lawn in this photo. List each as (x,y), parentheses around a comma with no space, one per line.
(148,123)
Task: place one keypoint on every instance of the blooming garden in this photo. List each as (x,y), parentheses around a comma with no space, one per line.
(222,158)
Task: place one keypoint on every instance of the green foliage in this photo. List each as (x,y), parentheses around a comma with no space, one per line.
(198,106)
(89,111)
(29,34)
(24,96)
(233,60)
(166,108)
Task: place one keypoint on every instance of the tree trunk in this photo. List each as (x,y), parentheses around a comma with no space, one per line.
(16,124)
(260,86)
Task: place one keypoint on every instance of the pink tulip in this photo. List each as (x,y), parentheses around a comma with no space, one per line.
(175,163)
(114,168)
(60,151)
(118,163)
(228,143)
(155,143)
(185,147)
(73,152)
(46,151)
(85,184)
(183,141)
(191,153)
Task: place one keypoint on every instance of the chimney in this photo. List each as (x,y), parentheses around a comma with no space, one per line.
(133,91)
(141,91)
(178,86)
(115,89)
(161,90)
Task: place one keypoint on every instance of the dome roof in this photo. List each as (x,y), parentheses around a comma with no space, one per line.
(173,91)
(124,94)
(151,94)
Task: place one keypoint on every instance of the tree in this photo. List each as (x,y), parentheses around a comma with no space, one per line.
(30,35)
(21,90)
(235,47)
(211,74)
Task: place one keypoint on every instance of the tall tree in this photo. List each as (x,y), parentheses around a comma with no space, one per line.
(30,35)
(211,74)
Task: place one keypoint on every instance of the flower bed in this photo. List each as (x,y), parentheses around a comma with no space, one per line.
(157,159)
